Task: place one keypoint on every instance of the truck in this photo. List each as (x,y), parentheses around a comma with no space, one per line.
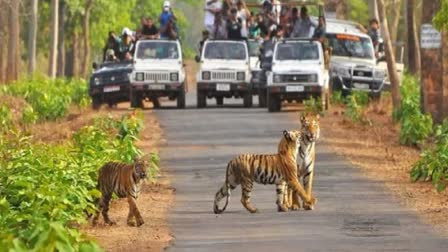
(158,72)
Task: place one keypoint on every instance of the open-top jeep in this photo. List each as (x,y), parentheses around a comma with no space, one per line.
(158,72)
(109,84)
(353,62)
(224,72)
(258,88)
(298,73)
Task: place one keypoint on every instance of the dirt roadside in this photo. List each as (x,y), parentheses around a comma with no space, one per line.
(376,150)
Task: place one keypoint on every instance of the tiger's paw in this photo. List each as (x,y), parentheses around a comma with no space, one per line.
(282,208)
(140,222)
(110,222)
(253,210)
(310,205)
(295,207)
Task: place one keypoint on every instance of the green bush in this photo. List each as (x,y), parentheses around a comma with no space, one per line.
(51,99)
(46,189)
(313,106)
(356,104)
(5,119)
(415,126)
(337,98)
(434,161)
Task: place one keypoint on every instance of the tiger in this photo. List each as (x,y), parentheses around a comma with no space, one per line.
(310,130)
(125,180)
(279,169)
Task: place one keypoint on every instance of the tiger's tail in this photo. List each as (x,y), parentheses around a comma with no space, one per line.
(224,191)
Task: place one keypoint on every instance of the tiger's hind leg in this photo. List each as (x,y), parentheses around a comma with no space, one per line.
(282,197)
(246,189)
(104,204)
(134,212)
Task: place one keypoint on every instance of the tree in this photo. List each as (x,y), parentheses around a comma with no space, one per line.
(395,14)
(32,37)
(12,72)
(413,45)
(339,7)
(61,40)
(390,56)
(86,24)
(53,38)
(3,37)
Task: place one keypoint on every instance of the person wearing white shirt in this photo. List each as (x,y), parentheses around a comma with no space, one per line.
(211,8)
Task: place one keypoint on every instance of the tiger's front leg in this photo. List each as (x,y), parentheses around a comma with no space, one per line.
(282,197)
(308,184)
(134,212)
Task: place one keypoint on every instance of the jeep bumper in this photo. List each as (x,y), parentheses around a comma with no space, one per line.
(224,89)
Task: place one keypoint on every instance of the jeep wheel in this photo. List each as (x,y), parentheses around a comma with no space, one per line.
(136,101)
(248,100)
(155,102)
(220,101)
(96,103)
(262,98)
(181,99)
(202,100)
(274,103)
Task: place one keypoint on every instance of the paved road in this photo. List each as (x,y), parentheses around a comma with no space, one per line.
(353,213)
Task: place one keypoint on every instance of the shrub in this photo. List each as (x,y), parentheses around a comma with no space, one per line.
(356,104)
(46,189)
(5,118)
(415,126)
(313,106)
(434,161)
(337,98)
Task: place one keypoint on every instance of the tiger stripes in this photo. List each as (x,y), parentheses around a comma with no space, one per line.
(279,169)
(125,180)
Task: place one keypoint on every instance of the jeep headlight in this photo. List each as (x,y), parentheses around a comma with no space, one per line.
(379,74)
(139,76)
(174,76)
(97,81)
(312,78)
(206,75)
(277,78)
(241,76)
(341,72)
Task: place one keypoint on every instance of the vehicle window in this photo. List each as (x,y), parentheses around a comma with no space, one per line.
(297,51)
(225,50)
(254,48)
(157,50)
(351,46)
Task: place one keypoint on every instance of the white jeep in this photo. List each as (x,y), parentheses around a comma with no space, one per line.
(353,63)
(298,73)
(158,72)
(224,72)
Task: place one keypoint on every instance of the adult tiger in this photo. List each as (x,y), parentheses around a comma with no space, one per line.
(279,169)
(310,130)
(125,180)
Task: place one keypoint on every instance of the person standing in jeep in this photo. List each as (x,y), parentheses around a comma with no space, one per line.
(148,29)
(234,26)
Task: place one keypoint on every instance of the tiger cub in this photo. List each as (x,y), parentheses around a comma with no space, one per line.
(279,169)
(125,180)
(310,130)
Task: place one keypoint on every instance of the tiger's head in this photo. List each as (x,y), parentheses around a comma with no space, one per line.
(290,142)
(310,127)
(140,168)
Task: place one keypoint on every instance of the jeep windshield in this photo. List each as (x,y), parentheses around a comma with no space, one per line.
(254,48)
(297,51)
(157,50)
(350,46)
(225,51)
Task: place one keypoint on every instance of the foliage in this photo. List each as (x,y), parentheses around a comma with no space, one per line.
(50,99)
(358,10)
(356,104)
(441,18)
(434,161)
(44,197)
(5,118)
(313,106)
(415,126)
(337,98)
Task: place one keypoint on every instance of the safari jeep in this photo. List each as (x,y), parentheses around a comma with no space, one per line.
(353,62)
(255,68)
(224,72)
(158,72)
(298,73)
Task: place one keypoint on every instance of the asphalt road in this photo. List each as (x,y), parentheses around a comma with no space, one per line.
(353,213)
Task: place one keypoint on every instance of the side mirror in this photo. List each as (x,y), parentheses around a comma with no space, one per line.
(197,58)
(381,58)
(94,66)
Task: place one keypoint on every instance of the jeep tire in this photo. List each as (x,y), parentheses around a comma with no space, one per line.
(262,97)
(181,99)
(219,100)
(247,99)
(136,101)
(201,99)
(96,102)
(274,103)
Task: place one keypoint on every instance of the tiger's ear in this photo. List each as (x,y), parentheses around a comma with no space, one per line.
(302,117)
(318,117)
(286,135)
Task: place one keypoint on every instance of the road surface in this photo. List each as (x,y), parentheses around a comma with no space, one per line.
(353,213)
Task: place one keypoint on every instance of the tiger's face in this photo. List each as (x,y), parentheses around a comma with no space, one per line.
(310,127)
(140,168)
(292,137)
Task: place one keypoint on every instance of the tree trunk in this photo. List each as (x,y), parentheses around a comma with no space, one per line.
(86,65)
(413,44)
(53,38)
(3,37)
(32,37)
(396,14)
(390,56)
(60,72)
(373,8)
(12,72)
(75,56)
(342,9)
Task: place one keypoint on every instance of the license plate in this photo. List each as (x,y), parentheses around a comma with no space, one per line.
(222,87)
(156,87)
(295,88)
(361,86)
(111,89)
